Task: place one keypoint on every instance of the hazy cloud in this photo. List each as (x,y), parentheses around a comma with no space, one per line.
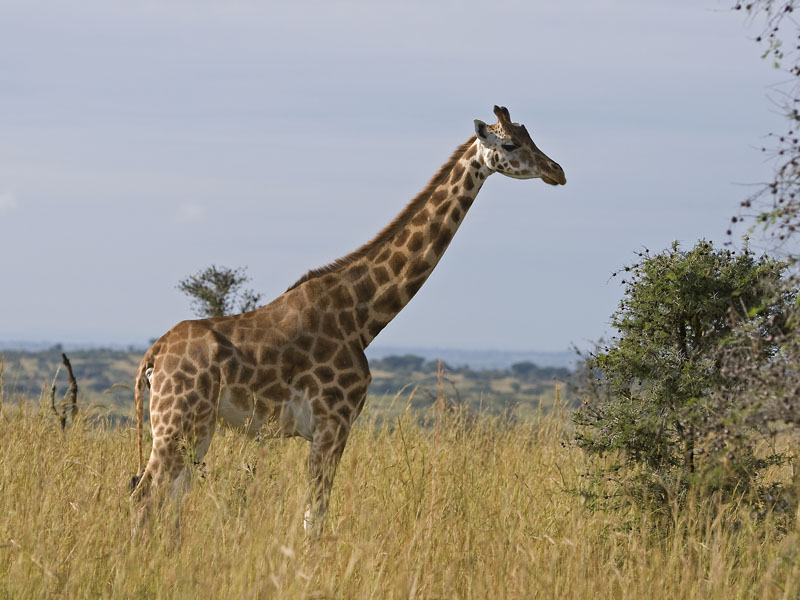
(190,212)
(8,202)
(165,111)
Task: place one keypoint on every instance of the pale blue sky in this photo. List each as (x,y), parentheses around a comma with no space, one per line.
(143,141)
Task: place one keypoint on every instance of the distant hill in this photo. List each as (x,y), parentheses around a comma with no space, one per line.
(104,375)
(482,381)
(520,390)
(475,359)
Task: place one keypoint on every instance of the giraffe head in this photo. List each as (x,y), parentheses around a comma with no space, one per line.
(508,149)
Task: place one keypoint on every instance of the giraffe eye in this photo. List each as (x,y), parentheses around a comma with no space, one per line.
(509,147)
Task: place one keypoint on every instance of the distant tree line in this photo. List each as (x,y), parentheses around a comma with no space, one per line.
(525,370)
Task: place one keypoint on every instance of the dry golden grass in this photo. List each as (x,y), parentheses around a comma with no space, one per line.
(475,513)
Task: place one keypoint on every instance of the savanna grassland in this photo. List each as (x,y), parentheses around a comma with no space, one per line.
(460,508)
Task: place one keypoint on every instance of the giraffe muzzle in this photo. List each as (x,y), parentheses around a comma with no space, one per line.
(556,175)
(562,181)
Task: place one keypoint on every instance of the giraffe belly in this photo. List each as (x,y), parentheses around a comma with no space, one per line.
(288,419)
(236,410)
(296,416)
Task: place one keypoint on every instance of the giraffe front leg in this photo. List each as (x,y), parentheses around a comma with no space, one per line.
(327,446)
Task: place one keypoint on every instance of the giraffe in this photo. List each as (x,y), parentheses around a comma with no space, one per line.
(298,364)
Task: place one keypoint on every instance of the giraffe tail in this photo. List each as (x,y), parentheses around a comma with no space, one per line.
(139,392)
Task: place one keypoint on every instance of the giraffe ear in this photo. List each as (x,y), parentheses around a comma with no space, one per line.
(481,131)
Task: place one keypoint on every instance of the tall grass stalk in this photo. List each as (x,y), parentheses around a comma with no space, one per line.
(485,511)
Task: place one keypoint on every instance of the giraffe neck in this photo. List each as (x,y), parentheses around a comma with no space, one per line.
(387,272)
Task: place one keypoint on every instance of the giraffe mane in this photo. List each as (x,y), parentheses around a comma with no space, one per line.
(397,224)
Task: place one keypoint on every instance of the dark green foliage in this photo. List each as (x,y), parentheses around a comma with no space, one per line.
(657,393)
(528,371)
(402,364)
(773,212)
(215,291)
(494,391)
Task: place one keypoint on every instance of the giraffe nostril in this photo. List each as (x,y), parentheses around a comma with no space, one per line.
(558,173)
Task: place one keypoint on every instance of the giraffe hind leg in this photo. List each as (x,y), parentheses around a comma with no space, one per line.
(179,441)
(166,477)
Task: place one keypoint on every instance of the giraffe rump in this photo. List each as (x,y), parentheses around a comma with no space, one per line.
(139,390)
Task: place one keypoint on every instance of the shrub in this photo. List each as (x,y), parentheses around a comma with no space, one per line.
(657,397)
(215,290)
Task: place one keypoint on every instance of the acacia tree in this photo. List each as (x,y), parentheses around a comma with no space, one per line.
(657,395)
(773,390)
(682,401)
(217,291)
(776,206)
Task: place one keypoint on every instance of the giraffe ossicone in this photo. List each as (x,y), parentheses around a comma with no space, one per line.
(297,365)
